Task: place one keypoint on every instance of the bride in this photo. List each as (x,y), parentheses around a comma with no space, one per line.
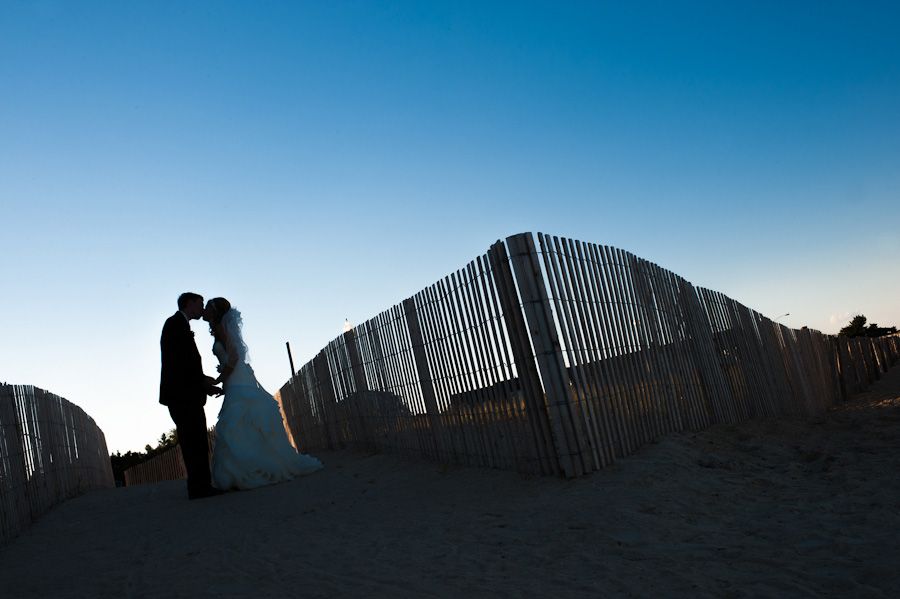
(252,448)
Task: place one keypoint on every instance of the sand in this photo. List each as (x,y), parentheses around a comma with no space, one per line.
(768,508)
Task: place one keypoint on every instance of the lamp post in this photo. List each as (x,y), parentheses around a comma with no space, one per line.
(782,316)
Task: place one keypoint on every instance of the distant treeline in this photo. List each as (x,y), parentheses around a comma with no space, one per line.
(122,462)
(859,328)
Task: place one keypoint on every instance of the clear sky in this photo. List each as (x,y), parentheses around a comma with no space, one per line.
(320,161)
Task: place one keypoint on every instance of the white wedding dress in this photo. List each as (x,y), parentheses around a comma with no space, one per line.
(252,447)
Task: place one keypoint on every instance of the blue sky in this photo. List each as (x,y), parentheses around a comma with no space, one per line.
(316,161)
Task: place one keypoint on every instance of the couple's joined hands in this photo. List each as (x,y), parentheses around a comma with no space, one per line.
(211,388)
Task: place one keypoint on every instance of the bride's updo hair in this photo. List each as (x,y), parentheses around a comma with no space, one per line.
(219,306)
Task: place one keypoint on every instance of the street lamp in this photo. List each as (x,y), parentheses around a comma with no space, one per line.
(782,316)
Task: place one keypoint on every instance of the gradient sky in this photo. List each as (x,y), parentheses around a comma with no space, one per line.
(316,161)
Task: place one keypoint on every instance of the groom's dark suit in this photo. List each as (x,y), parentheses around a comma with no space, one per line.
(182,387)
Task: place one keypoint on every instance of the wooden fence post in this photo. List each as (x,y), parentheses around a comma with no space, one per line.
(325,397)
(361,405)
(327,400)
(573,459)
(424,374)
(526,368)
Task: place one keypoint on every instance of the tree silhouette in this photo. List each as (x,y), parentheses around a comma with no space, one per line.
(858,328)
(122,462)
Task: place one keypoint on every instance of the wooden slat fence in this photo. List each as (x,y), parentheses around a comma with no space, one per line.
(553,356)
(50,450)
(437,377)
(168,465)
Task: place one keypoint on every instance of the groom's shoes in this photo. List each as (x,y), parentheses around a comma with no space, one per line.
(208,492)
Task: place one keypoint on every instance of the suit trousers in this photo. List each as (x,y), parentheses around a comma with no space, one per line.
(190,422)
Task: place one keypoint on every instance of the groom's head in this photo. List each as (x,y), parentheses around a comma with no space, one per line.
(191,304)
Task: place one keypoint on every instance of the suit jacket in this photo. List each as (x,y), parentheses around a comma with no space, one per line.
(181,381)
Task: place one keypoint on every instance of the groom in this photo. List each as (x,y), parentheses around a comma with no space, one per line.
(183,388)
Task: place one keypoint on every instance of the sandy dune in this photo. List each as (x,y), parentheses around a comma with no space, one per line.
(792,508)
